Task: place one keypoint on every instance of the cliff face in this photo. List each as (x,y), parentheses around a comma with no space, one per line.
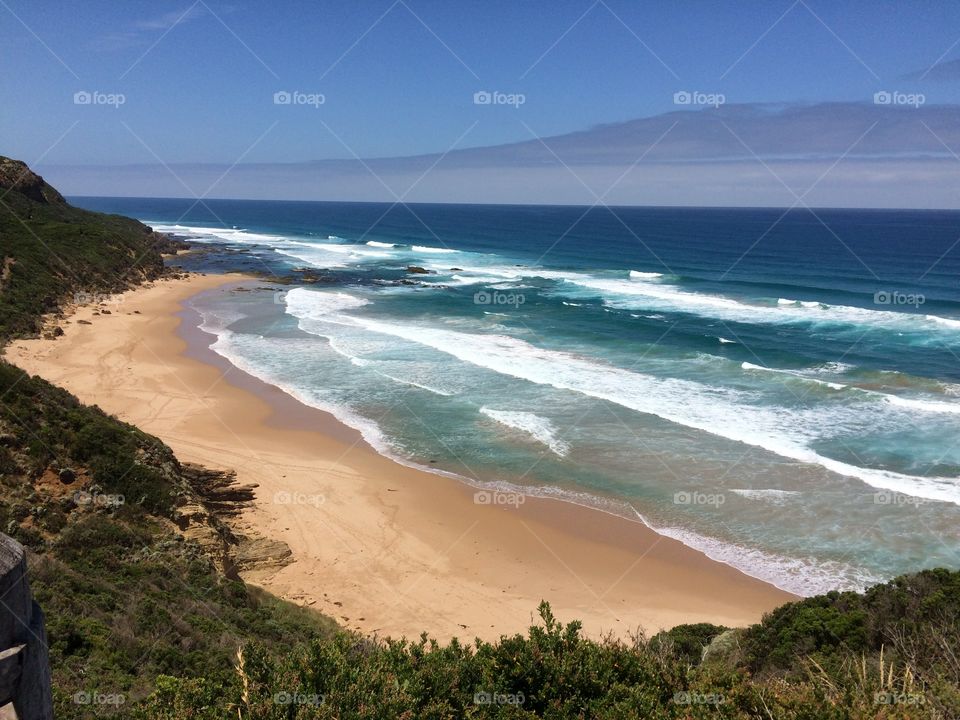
(51,251)
(16,176)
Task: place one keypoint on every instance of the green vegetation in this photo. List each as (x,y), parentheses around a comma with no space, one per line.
(145,613)
(553,672)
(50,251)
(126,597)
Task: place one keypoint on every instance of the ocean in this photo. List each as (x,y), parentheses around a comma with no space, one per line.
(778,389)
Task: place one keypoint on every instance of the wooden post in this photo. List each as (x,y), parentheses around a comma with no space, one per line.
(25,686)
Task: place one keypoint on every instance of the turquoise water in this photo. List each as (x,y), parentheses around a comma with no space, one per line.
(781,391)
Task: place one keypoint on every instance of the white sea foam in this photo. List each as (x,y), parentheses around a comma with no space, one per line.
(710,409)
(233,235)
(792,373)
(802,576)
(475,280)
(934,406)
(639,294)
(771,495)
(834,368)
(948,322)
(428,249)
(801,303)
(919,404)
(376,243)
(226,346)
(413,383)
(539,428)
(723,340)
(638,275)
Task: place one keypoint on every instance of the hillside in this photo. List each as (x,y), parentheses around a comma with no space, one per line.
(133,558)
(52,251)
(131,553)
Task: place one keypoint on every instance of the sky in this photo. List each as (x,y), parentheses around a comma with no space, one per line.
(187,91)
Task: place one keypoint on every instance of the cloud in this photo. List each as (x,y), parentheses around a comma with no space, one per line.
(940,72)
(171,19)
(143,32)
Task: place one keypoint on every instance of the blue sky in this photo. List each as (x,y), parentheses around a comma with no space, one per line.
(398,77)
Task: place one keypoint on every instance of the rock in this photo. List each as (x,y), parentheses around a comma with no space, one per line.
(84,322)
(456,269)
(105,312)
(67,476)
(417,270)
(57,331)
(255,553)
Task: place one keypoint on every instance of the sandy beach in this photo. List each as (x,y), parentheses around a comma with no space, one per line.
(379,546)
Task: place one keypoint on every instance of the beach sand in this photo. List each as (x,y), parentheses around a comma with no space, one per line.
(379,546)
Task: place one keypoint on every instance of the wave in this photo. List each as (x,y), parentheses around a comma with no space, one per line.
(209,234)
(428,249)
(413,383)
(684,402)
(805,577)
(771,495)
(639,294)
(643,290)
(802,303)
(226,346)
(948,322)
(539,428)
(791,373)
(929,406)
(917,404)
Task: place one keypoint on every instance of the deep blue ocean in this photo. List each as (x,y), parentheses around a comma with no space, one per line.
(779,389)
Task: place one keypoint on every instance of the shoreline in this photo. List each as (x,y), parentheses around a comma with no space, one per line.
(383,547)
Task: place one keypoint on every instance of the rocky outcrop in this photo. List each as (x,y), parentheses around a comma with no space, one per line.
(15,175)
(261,553)
(205,517)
